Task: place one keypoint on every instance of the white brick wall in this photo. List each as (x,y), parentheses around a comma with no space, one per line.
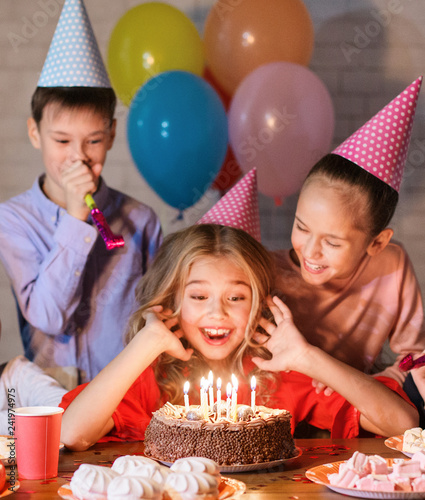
(387,40)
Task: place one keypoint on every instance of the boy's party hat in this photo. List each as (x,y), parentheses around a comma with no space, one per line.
(74,58)
(238,207)
(380,146)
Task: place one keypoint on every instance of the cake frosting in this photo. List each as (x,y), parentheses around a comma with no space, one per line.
(192,485)
(263,437)
(90,482)
(196,464)
(134,488)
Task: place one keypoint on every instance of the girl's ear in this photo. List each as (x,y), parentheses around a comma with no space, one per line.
(33,133)
(380,242)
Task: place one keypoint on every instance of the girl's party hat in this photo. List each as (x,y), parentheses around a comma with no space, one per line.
(380,146)
(74,58)
(238,207)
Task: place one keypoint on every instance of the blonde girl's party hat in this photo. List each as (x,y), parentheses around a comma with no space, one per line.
(380,145)
(74,58)
(238,207)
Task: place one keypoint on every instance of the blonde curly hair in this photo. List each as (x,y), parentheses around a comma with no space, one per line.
(165,280)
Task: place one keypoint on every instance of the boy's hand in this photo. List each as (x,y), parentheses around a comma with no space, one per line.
(327,391)
(159,323)
(286,344)
(78,180)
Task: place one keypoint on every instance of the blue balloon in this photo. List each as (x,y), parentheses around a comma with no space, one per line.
(177,133)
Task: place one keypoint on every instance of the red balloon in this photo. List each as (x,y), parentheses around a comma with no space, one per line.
(224,96)
(229,173)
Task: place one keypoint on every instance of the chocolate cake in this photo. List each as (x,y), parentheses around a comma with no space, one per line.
(261,437)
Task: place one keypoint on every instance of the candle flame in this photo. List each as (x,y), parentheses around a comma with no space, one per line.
(229,390)
(235,382)
(253,383)
(219,383)
(202,383)
(210,378)
(186,387)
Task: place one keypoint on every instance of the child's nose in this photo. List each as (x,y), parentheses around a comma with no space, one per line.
(78,153)
(312,248)
(217,309)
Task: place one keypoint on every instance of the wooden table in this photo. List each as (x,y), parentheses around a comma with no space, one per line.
(286,482)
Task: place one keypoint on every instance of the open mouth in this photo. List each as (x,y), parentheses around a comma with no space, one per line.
(216,333)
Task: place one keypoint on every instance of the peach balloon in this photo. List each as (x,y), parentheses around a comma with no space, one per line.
(242,35)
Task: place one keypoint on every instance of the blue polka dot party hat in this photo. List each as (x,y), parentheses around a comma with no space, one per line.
(74,58)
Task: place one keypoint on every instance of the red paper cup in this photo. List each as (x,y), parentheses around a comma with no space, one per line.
(37,440)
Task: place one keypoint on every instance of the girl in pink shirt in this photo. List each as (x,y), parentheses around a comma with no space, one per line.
(352,290)
(349,288)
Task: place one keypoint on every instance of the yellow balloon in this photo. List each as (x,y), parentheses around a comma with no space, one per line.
(149,39)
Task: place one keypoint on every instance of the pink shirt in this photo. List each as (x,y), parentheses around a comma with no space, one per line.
(381,301)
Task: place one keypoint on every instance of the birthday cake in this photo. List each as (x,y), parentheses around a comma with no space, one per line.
(255,437)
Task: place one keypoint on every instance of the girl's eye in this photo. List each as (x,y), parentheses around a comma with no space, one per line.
(62,141)
(95,141)
(332,244)
(198,297)
(301,228)
(236,299)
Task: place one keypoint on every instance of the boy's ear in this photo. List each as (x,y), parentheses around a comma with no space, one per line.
(33,133)
(112,133)
(380,242)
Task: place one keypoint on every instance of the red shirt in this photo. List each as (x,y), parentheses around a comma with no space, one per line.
(294,393)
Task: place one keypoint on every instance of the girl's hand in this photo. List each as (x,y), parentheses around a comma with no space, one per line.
(159,323)
(286,344)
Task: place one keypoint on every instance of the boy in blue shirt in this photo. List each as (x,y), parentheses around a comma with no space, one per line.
(74,296)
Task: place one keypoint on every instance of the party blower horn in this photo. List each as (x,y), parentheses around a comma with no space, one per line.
(111,240)
(408,363)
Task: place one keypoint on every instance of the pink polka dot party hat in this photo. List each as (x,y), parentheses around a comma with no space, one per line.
(380,145)
(74,58)
(238,207)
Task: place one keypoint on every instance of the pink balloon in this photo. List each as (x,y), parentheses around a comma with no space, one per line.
(281,120)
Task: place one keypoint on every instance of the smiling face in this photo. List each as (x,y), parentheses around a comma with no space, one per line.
(215,307)
(66,136)
(327,234)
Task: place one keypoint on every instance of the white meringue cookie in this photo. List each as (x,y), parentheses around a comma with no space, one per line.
(189,485)
(134,488)
(90,482)
(126,464)
(196,464)
(153,471)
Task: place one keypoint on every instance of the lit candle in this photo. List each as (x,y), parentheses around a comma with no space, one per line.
(233,414)
(204,398)
(253,387)
(211,389)
(186,395)
(218,397)
(229,396)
